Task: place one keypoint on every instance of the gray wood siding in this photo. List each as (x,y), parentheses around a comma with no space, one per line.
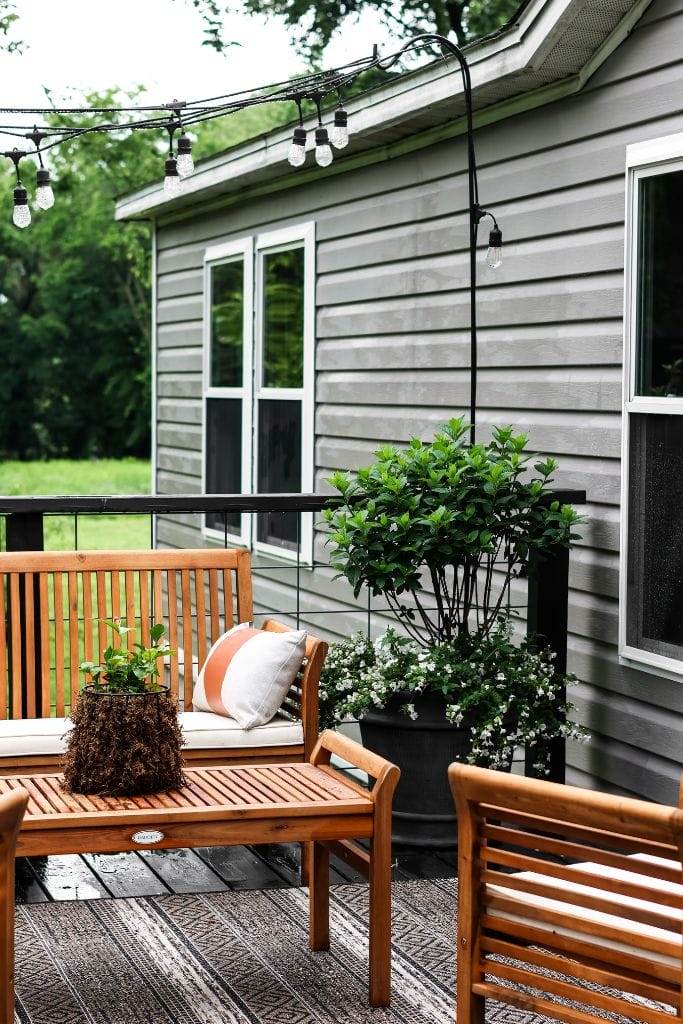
(392,347)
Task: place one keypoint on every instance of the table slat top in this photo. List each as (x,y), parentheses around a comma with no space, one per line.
(263,791)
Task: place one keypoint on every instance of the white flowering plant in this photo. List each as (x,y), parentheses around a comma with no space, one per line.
(506,695)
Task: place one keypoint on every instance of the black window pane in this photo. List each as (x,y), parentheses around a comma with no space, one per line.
(227,306)
(283,319)
(659,367)
(279,466)
(223,456)
(655,556)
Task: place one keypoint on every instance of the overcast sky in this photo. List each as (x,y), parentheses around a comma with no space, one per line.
(89,44)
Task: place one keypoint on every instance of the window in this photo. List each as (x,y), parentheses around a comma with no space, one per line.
(258,416)
(651,599)
(228,347)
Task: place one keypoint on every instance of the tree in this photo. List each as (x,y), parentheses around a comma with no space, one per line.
(75,293)
(315,22)
(74,306)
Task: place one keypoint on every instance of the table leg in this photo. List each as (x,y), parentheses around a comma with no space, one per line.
(319,896)
(380,906)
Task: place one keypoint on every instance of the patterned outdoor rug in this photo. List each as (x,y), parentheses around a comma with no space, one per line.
(235,957)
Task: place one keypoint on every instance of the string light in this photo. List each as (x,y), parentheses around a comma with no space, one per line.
(339,136)
(184,158)
(314,87)
(297,151)
(172,182)
(45,197)
(323,152)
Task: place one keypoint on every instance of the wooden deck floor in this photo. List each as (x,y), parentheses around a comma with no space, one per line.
(214,869)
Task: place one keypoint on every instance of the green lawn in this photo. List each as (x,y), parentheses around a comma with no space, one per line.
(96,476)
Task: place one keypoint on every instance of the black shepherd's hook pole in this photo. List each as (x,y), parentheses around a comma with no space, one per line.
(475,211)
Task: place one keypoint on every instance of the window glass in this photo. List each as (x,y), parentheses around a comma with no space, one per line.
(227,309)
(223,456)
(283,319)
(659,362)
(279,466)
(655,556)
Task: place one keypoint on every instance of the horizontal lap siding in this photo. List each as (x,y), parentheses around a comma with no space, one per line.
(392,349)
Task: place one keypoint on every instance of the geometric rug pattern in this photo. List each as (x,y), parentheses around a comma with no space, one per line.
(236,958)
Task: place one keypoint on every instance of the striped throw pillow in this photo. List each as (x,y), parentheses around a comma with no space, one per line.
(247,674)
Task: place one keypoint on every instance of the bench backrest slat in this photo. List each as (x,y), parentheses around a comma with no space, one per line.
(53,607)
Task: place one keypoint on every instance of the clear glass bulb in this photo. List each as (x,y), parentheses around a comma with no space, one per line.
(185,164)
(172,184)
(296,155)
(21,216)
(45,197)
(323,155)
(494,256)
(339,136)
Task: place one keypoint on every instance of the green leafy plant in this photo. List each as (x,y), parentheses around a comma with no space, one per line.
(129,669)
(450,518)
(506,695)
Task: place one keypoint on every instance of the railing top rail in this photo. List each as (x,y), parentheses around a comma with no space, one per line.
(168,503)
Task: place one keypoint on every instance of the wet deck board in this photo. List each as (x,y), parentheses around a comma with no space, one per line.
(215,869)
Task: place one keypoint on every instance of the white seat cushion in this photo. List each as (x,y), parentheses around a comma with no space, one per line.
(632,929)
(202,731)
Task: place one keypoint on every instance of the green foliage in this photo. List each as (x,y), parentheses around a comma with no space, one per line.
(315,22)
(507,696)
(449,514)
(129,670)
(74,305)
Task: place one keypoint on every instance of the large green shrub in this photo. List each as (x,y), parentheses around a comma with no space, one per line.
(455,519)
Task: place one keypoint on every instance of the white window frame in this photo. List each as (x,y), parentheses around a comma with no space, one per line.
(643,159)
(296,236)
(216,255)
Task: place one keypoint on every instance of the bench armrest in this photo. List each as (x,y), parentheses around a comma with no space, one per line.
(385,774)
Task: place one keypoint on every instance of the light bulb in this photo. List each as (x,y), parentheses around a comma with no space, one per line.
(45,197)
(339,136)
(494,253)
(297,151)
(172,181)
(22,214)
(323,153)
(184,161)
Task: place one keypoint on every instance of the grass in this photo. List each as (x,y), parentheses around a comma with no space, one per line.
(84,476)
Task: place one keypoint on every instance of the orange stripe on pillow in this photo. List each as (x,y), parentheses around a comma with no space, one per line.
(217,664)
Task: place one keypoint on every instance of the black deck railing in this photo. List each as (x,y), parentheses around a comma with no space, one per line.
(548,576)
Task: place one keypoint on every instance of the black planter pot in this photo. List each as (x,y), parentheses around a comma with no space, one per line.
(424,815)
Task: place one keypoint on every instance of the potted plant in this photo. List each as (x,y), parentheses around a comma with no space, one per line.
(441,531)
(125,739)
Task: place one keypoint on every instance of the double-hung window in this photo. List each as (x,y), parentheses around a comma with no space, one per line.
(259,379)
(651,598)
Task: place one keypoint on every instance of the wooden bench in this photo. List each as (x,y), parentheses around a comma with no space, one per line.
(52,610)
(305,803)
(580,893)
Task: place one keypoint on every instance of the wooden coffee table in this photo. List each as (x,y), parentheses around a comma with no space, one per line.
(225,806)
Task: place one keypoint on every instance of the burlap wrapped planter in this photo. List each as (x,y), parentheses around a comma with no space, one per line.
(123,744)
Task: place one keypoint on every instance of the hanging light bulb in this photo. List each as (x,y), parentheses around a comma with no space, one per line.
(22,214)
(494,253)
(45,197)
(172,182)
(339,136)
(323,153)
(297,151)
(184,159)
